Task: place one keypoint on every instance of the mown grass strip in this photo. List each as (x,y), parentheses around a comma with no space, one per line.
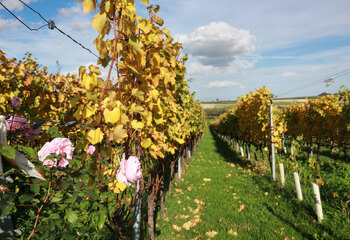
(221,197)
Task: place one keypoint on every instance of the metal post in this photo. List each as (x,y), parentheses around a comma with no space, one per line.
(179,166)
(272,145)
(136,227)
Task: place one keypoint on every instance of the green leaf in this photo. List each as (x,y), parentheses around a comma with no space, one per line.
(5,209)
(64,184)
(8,152)
(78,186)
(92,193)
(73,198)
(101,219)
(57,135)
(53,130)
(35,188)
(71,216)
(56,199)
(68,236)
(29,151)
(25,198)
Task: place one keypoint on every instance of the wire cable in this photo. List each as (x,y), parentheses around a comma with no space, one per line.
(338,74)
(31,29)
(34,11)
(62,32)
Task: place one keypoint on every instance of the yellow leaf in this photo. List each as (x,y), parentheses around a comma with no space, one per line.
(112,116)
(101,24)
(121,186)
(88,5)
(88,111)
(155,94)
(137,125)
(89,82)
(95,136)
(136,45)
(138,93)
(145,2)
(95,69)
(131,7)
(146,143)
(145,26)
(158,120)
(158,20)
(119,133)
(77,113)
(180,140)
(172,150)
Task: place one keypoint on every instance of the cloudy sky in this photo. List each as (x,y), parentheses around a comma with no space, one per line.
(234,46)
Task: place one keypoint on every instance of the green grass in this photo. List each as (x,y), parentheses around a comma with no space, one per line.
(239,202)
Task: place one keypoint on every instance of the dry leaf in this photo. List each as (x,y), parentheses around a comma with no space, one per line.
(178,190)
(187,225)
(233,233)
(189,189)
(266,193)
(241,207)
(211,234)
(206,179)
(177,228)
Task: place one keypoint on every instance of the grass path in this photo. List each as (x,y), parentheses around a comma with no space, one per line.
(219,197)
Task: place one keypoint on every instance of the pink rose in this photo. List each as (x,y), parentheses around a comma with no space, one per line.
(61,147)
(31,134)
(129,170)
(16,102)
(16,123)
(91,149)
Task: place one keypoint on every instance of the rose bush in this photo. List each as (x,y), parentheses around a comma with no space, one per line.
(16,123)
(129,170)
(62,147)
(16,102)
(91,149)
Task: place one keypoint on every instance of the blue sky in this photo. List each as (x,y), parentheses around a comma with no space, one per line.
(234,46)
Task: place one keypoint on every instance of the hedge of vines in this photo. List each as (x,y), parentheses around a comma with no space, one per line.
(146,113)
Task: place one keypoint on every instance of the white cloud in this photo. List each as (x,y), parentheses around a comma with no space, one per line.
(218,44)
(6,24)
(70,12)
(315,68)
(15,4)
(199,69)
(223,84)
(288,74)
(81,26)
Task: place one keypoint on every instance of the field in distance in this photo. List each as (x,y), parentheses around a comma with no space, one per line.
(216,108)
